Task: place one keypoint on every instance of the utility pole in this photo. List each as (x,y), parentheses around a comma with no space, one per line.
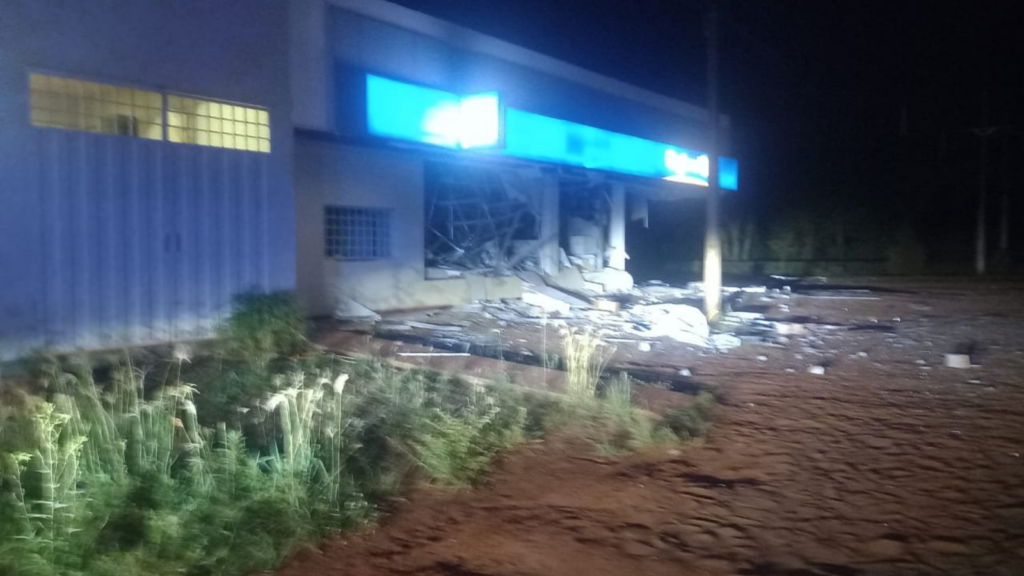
(984,132)
(712,234)
(1004,201)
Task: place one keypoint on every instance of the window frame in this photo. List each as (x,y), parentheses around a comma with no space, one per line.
(335,233)
(164,116)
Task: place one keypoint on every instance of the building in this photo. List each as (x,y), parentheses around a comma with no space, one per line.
(160,157)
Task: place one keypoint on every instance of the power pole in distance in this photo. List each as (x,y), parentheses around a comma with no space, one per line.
(712,234)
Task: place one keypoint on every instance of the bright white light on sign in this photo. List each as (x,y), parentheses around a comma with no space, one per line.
(687,169)
(409,112)
(479,121)
(442,124)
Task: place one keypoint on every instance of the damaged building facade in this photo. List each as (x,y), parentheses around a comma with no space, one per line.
(156,162)
(437,166)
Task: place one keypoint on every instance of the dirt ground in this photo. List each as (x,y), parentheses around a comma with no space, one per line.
(887,464)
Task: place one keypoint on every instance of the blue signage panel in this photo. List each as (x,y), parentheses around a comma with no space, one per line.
(417,114)
(409,112)
(537,137)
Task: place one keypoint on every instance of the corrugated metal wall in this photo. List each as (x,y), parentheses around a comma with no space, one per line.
(145,241)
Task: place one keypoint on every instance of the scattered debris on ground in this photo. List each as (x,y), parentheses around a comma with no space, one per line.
(844,445)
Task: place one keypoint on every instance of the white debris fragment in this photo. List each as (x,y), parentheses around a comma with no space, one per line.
(959,361)
(685,372)
(679,322)
(547,302)
(436,327)
(819,370)
(920,362)
(762,358)
(431,354)
(643,346)
(611,280)
(862,354)
(790,328)
(790,370)
(725,341)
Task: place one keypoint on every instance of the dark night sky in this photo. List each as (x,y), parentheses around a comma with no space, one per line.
(819,92)
(816,88)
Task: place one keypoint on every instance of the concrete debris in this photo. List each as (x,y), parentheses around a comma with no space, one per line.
(959,361)
(605,305)
(435,327)
(392,326)
(819,370)
(725,341)
(552,299)
(611,280)
(442,273)
(643,346)
(346,308)
(762,358)
(568,279)
(546,303)
(679,322)
(431,354)
(790,328)
(685,372)
(531,278)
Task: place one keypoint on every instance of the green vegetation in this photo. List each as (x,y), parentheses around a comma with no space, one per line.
(226,464)
(264,326)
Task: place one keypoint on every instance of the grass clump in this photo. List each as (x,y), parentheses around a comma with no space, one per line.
(584,359)
(264,326)
(688,422)
(117,477)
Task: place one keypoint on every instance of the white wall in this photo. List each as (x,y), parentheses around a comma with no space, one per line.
(331,173)
(328,173)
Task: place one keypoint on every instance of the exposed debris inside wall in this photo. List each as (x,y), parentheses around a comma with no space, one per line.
(479,220)
(487,221)
(585,210)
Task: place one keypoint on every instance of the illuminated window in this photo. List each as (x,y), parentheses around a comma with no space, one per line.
(92,107)
(357,233)
(217,124)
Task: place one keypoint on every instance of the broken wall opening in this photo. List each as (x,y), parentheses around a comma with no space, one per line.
(479,219)
(585,214)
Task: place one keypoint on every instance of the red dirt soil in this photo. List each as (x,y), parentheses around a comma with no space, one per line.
(889,464)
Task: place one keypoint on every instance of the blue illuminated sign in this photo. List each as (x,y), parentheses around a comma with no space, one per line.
(409,112)
(425,115)
(537,137)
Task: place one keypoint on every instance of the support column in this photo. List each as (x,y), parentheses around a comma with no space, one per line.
(617,228)
(549,229)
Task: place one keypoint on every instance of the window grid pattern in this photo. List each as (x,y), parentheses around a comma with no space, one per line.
(93,107)
(209,123)
(357,233)
(57,102)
